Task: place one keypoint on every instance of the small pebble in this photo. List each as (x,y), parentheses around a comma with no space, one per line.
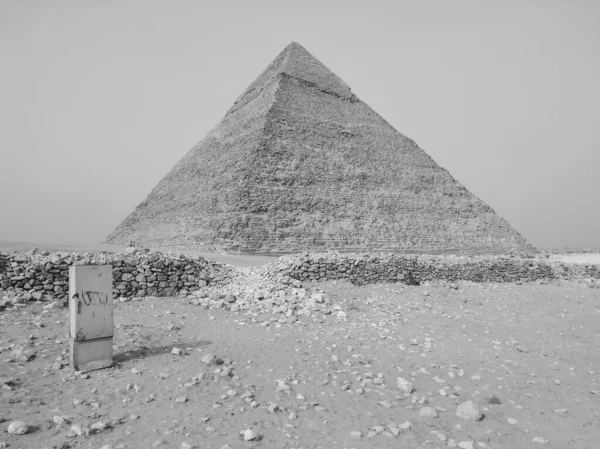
(211,359)
(76,430)
(469,412)
(249,435)
(404,385)
(428,413)
(17,428)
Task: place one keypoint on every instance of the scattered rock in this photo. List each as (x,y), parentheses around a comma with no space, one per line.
(469,412)
(17,428)
(404,385)
(439,435)
(249,435)
(428,413)
(494,400)
(60,420)
(211,359)
(405,425)
(99,426)
(76,431)
(393,427)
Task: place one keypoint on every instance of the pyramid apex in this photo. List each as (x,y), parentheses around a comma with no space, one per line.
(296,62)
(294,44)
(300,64)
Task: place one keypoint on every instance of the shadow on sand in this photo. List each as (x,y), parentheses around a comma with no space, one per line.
(144,351)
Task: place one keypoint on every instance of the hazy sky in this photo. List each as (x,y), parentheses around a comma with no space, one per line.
(99,99)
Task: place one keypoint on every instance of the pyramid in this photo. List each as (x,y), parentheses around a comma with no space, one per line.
(300,163)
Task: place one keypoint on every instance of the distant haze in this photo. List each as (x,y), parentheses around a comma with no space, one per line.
(99,99)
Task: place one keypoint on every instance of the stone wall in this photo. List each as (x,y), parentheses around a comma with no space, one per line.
(138,274)
(370,269)
(40,276)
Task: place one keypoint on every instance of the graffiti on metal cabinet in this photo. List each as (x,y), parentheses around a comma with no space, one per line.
(92,298)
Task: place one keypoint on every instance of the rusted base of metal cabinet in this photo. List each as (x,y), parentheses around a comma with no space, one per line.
(89,355)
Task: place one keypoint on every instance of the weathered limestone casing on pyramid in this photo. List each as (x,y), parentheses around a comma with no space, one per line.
(300,163)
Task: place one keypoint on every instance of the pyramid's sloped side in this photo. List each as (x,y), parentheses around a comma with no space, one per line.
(332,174)
(196,202)
(298,163)
(266,78)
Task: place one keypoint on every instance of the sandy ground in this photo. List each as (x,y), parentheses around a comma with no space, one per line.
(577,258)
(526,355)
